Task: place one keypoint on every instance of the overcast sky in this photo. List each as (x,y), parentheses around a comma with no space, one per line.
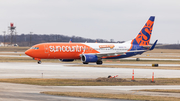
(120,20)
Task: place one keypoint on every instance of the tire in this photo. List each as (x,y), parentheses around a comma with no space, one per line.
(137,59)
(85,62)
(99,62)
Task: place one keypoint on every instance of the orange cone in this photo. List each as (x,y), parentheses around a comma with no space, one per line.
(153,78)
(133,76)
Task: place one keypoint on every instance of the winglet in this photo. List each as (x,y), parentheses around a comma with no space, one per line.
(153,45)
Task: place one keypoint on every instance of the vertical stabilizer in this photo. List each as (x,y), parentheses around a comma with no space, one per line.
(144,36)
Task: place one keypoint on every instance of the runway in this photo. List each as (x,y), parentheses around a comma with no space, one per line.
(59,70)
(9,91)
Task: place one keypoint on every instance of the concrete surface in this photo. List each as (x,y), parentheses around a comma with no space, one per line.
(22,92)
(58,70)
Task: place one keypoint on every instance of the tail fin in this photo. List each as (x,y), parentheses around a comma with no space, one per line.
(144,36)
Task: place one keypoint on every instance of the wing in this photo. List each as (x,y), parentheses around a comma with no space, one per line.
(114,53)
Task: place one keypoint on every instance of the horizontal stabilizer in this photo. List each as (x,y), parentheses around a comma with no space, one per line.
(153,46)
(148,46)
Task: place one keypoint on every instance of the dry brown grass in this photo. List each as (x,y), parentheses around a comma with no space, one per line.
(113,96)
(16,59)
(16,54)
(13,49)
(161,90)
(26,59)
(164,51)
(93,82)
(124,61)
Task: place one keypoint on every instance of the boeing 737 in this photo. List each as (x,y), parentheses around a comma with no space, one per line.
(95,52)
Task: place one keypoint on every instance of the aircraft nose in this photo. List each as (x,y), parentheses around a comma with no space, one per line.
(28,52)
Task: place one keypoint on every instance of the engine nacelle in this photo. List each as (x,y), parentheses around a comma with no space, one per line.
(89,58)
(66,60)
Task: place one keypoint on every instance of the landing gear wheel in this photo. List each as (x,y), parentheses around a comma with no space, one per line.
(99,62)
(39,62)
(85,62)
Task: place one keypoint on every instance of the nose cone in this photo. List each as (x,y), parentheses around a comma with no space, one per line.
(29,52)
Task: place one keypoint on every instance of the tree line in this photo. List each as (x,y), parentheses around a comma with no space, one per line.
(32,39)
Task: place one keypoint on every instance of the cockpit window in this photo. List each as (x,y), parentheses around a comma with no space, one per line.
(34,48)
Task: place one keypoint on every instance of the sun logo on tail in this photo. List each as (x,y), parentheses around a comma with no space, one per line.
(143,38)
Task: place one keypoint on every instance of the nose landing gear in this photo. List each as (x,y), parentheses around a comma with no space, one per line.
(39,60)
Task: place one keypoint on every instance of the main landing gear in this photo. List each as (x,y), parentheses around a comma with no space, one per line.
(99,62)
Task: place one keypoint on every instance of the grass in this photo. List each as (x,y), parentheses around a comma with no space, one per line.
(161,90)
(124,61)
(16,59)
(113,96)
(26,59)
(13,49)
(93,82)
(164,51)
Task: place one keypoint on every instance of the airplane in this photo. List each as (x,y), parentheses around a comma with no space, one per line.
(94,52)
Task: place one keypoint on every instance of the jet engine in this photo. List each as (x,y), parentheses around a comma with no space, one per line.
(89,58)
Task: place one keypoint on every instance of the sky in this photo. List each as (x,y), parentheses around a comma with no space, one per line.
(120,20)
